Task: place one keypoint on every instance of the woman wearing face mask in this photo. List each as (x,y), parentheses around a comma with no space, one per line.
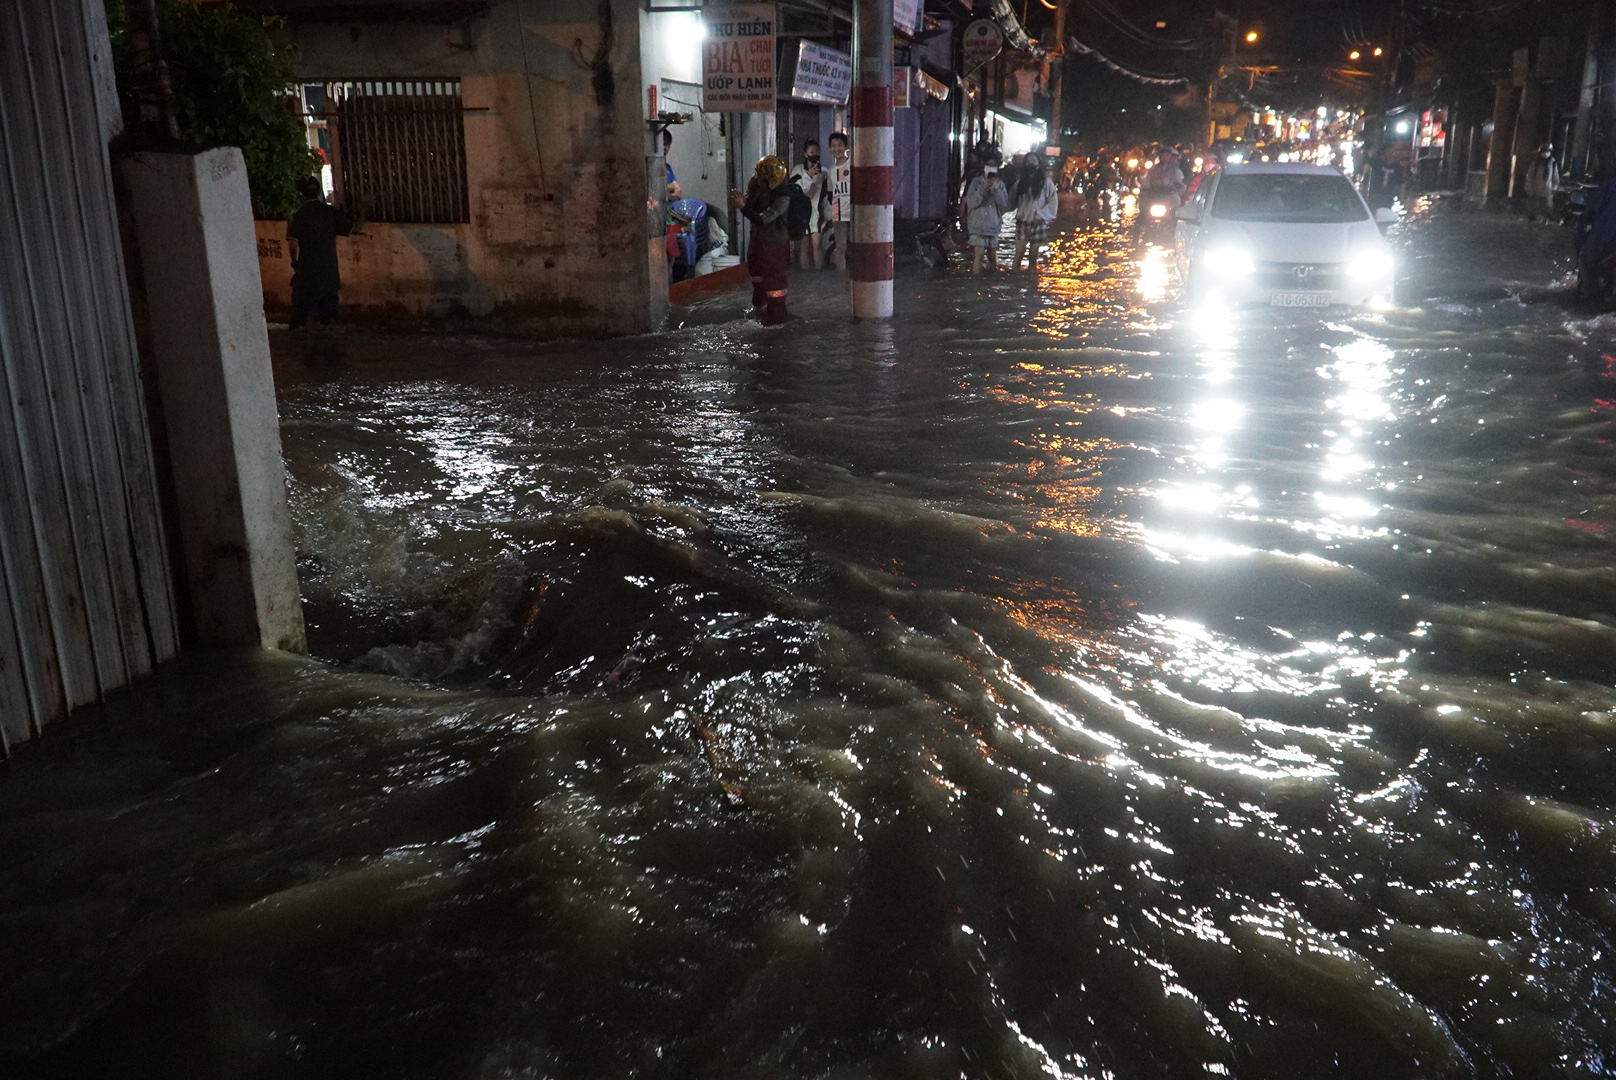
(986,200)
(809,178)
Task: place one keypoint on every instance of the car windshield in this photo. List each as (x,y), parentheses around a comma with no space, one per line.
(1288,197)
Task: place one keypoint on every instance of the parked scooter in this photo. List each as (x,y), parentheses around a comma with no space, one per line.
(928,237)
(1571,202)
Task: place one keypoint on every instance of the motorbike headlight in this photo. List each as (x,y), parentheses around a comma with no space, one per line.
(1370,264)
(1158,210)
(1229,260)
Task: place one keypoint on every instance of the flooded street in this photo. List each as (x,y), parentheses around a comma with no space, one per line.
(1056,682)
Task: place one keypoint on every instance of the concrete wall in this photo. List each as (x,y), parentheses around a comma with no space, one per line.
(564,237)
(192,217)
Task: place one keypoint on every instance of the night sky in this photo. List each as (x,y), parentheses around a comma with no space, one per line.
(1438,48)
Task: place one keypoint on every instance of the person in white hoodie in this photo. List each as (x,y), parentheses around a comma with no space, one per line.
(985,203)
(1037,202)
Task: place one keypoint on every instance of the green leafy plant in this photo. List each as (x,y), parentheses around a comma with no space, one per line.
(230,81)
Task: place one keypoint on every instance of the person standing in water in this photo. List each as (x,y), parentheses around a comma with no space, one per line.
(840,190)
(311,240)
(766,204)
(985,202)
(1037,203)
(810,180)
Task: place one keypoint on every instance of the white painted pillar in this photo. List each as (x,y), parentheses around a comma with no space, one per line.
(210,353)
(869,255)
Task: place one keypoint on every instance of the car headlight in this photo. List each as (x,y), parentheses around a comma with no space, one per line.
(1229,260)
(1370,264)
(1158,210)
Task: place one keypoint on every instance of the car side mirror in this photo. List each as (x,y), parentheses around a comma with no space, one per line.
(1191,214)
(1385,216)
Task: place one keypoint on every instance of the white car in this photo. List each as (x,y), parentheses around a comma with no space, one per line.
(1283,235)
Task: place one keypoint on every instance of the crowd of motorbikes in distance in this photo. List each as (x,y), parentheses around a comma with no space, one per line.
(1112,184)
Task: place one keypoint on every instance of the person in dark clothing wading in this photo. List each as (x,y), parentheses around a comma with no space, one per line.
(766,205)
(311,239)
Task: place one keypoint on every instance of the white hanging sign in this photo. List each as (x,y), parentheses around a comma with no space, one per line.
(737,58)
(906,16)
(822,74)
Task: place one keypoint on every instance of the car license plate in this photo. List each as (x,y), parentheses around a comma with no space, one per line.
(1300,299)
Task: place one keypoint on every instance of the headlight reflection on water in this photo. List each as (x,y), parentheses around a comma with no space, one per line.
(1155,275)
(1361,370)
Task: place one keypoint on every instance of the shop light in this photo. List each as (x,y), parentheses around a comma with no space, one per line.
(689,29)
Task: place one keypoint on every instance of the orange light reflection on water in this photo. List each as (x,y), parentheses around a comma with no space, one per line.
(1080,284)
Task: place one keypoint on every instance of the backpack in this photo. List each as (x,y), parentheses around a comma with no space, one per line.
(801,212)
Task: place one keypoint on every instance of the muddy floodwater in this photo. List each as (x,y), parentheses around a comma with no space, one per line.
(1058,682)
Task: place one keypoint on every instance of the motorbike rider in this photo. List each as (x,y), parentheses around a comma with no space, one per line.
(1165,180)
(1209,165)
(1163,185)
(1100,185)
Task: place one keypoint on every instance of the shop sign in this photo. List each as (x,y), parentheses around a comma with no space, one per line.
(737,60)
(983,40)
(906,16)
(822,74)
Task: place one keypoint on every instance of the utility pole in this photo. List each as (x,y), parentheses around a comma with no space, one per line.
(1057,61)
(1221,37)
(869,255)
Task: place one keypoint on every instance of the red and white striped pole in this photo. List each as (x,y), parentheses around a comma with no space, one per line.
(869,255)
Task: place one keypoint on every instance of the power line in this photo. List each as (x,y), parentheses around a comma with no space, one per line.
(1153,80)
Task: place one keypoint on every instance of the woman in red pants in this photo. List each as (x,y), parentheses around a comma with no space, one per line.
(769,255)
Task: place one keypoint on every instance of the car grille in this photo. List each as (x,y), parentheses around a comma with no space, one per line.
(1313,277)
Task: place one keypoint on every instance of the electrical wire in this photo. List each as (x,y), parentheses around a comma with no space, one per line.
(532,109)
(1152,80)
(1108,10)
(1109,15)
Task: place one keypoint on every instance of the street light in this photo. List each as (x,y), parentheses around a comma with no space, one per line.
(1379,51)
(1354,55)
(1251,37)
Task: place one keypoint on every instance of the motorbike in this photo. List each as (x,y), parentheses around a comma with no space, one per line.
(1571,202)
(1099,202)
(930,244)
(1156,221)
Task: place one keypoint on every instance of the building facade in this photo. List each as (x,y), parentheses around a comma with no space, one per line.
(509,160)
